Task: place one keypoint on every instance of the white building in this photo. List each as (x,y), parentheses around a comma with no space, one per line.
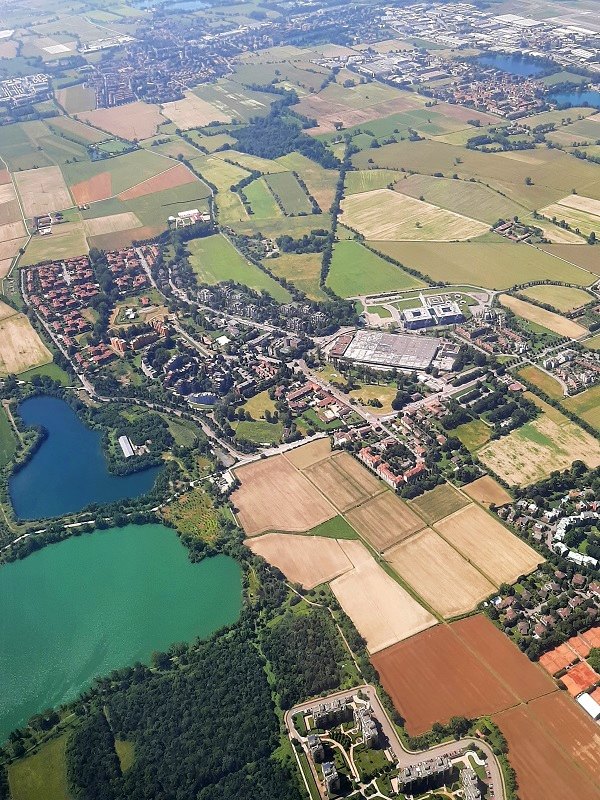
(589,705)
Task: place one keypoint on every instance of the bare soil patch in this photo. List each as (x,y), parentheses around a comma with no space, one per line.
(275,496)
(308,560)
(384,521)
(488,545)
(440,575)
(97,188)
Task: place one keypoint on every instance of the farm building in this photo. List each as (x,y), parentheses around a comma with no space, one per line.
(126,446)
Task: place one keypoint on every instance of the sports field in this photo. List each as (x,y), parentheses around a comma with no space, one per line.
(355,270)
(134,121)
(383,215)
(439,503)
(530,453)
(343,481)
(382,611)
(20,346)
(487,491)
(586,405)
(274,496)
(488,545)
(43,190)
(285,188)
(215,259)
(468,668)
(307,560)
(563,298)
(439,574)
(506,264)
(384,521)
(547,319)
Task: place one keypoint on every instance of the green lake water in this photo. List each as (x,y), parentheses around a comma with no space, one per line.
(97,602)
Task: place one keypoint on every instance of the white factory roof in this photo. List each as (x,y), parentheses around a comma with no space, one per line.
(588,704)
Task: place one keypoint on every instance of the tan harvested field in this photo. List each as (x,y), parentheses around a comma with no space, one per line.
(308,560)
(4,177)
(9,206)
(564,298)
(581,213)
(384,521)
(43,190)
(554,322)
(111,224)
(97,188)
(137,120)
(440,575)
(382,611)
(487,491)
(9,248)
(343,481)
(20,346)
(170,179)
(274,495)
(530,453)
(385,215)
(439,502)
(5,267)
(328,113)
(488,545)
(586,204)
(11,231)
(302,457)
(193,112)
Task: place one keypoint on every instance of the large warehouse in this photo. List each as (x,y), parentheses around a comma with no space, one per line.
(391,350)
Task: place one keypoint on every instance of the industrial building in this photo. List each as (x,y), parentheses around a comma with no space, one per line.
(433,310)
(386,350)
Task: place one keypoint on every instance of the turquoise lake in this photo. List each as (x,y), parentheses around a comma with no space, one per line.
(69,471)
(90,604)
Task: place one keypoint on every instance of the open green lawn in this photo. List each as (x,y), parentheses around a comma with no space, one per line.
(543,381)
(489,264)
(42,776)
(51,370)
(586,405)
(126,753)
(185,432)
(355,270)
(257,405)
(259,431)
(215,259)
(334,528)
(374,391)
(285,186)
(593,343)
(8,441)
(381,311)
(261,200)
(364,180)
(473,434)
(563,298)
(301,269)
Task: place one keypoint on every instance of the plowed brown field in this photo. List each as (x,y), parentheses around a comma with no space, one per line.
(97,188)
(170,179)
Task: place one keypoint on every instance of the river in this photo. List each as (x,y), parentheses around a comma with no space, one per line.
(69,471)
(90,604)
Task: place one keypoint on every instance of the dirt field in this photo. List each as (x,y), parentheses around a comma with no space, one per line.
(550,737)
(43,190)
(530,453)
(439,503)
(137,120)
(193,112)
(487,491)
(439,674)
(488,545)
(382,611)
(384,521)
(20,346)
(383,214)
(97,188)
(343,481)
(111,224)
(302,457)
(440,575)
(275,496)
(554,322)
(170,179)
(308,560)
(328,113)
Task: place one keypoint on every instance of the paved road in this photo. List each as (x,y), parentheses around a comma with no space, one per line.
(408,758)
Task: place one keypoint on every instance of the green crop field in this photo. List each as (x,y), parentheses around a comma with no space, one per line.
(334,528)
(126,171)
(251,163)
(439,503)
(563,298)
(79,131)
(8,442)
(488,264)
(259,431)
(586,405)
(66,242)
(365,180)
(462,197)
(355,270)
(303,270)
(543,381)
(261,200)
(215,259)
(43,775)
(223,176)
(473,434)
(321,182)
(285,186)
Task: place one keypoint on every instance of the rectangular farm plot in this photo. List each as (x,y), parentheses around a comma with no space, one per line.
(169,179)
(439,502)
(307,454)
(137,120)
(343,481)
(308,560)
(20,345)
(275,496)
(579,212)
(382,611)
(193,112)
(488,545)
(387,215)
(488,492)
(111,224)
(548,319)
(440,575)
(384,521)
(288,192)
(43,190)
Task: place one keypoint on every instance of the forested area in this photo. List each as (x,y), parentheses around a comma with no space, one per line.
(306,654)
